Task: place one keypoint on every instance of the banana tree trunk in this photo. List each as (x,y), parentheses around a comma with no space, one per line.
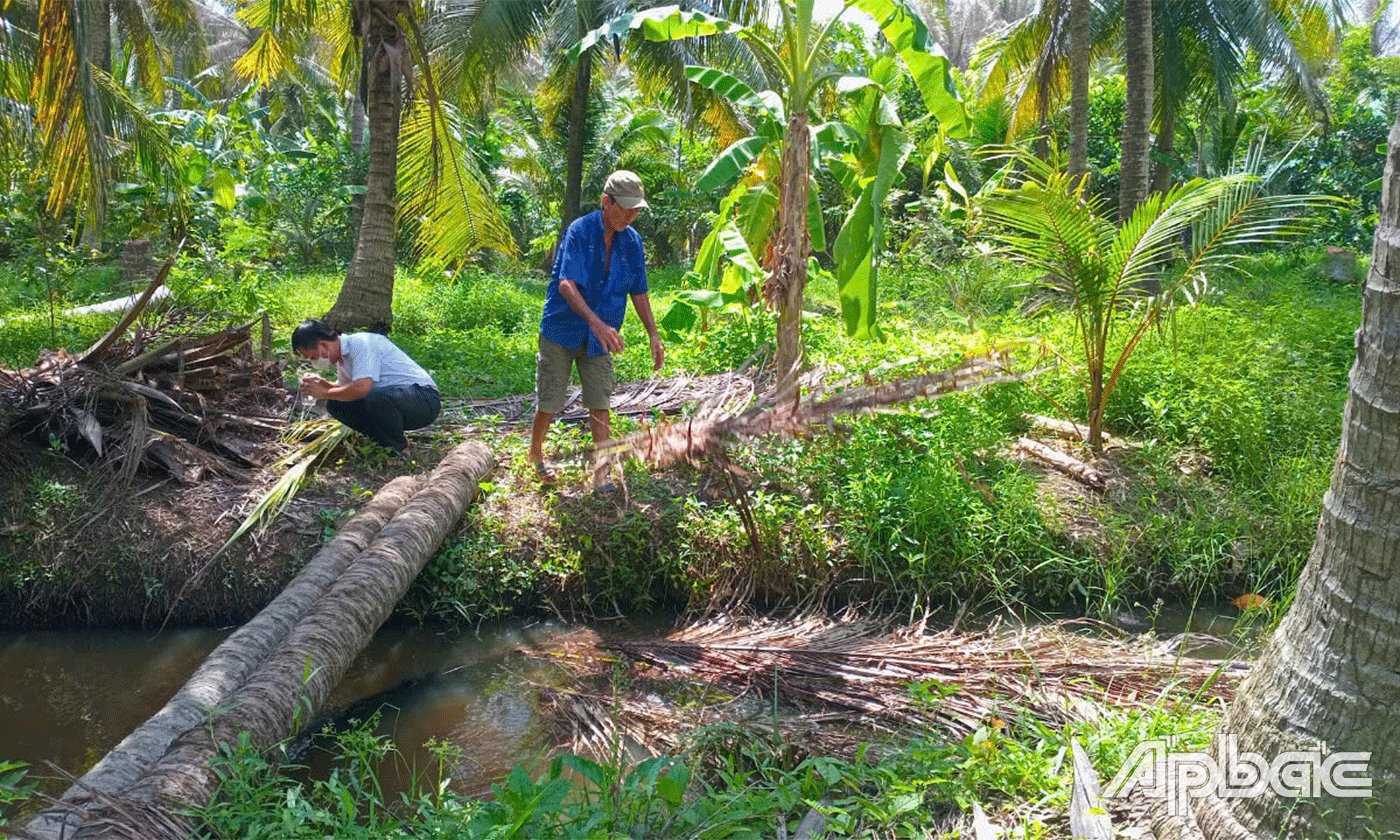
(227,666)
(1137,116)
(367,295)
(1079,88)
(788,278)
(292,684)
(1328,673)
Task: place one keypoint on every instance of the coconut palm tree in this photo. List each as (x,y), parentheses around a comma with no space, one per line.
(1079,53)
(793,55)
(380,44)
(1049,220)
(1327,674)
(1134,182)
(83,121)
(1199,47)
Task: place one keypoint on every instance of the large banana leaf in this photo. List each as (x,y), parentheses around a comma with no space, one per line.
(930,68)
(755,213)
(730,163)
(732,88)
(862,235)
(663,23)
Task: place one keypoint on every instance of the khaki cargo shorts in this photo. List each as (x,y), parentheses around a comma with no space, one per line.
(554,367)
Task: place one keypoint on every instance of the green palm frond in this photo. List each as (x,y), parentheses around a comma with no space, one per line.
(324,436)
(68,113)
(442,190)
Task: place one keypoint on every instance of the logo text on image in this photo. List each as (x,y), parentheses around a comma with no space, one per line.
(1230,774)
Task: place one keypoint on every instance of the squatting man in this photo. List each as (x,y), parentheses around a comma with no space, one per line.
(379,392)
(600,264)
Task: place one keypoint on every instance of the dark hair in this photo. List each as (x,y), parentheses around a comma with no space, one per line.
(311,331)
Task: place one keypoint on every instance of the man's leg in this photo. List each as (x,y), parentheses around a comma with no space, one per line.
(595,374)
(599,421)
(538,429)
(353,414)
(553,366)
(385,407)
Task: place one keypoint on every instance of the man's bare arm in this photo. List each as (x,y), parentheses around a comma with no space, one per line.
(642,303)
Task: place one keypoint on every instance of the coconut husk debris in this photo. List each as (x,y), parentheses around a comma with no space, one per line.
(844,682)
(187,403)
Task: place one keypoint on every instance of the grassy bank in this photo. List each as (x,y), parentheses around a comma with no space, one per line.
(730,783)
(1236,403)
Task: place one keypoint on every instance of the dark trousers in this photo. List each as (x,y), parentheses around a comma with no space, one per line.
(385,413)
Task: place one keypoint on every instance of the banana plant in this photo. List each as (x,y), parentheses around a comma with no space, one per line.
(773,166)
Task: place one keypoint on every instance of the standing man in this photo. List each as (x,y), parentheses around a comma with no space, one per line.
(600,263)
(380,391)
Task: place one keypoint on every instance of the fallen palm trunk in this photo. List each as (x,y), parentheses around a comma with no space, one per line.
(853,673)
(292,682)
(1070,466)
(228,665)
(1069,430)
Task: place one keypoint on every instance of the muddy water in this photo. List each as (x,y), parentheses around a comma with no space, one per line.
(69,697)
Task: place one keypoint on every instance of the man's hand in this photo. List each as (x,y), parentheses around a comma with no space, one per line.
(315,385)
(658,353)
(608,337)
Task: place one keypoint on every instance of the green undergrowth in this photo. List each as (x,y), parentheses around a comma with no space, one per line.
(1236,405)
(730,782)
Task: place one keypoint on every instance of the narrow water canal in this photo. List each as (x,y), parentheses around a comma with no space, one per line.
(70,696)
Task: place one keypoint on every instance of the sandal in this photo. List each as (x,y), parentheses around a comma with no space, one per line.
(544,473)
(605,491)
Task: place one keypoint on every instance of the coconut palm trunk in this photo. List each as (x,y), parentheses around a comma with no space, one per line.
(578,131)
(367,295)
(788,270)
(292,684)
(1137,116)
(1166,147)
(1328,673)
(1079,88)
(227,666)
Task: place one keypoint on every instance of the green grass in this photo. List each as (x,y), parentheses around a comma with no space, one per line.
(731,782)
(1249,384)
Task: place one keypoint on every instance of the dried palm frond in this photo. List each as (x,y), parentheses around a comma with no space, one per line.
(786,412)
(860,674)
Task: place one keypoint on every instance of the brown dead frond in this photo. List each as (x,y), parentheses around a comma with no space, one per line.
(870,679)
(791,412)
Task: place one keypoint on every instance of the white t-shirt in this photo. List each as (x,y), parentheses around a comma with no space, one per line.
(368,354)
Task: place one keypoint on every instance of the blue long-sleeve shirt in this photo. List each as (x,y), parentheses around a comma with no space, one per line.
(604,288)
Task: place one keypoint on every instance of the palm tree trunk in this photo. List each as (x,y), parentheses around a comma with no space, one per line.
(578,131)
(1328,673)
(1166,143)
(1137,116)
(97,45)
(228,665)
(367,296)
(788,279)
(357,144)
(1079,88)
(293,683)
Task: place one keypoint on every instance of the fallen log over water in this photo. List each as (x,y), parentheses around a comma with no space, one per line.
(277,671)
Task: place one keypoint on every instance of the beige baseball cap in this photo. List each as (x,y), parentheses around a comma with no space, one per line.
(626,189)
